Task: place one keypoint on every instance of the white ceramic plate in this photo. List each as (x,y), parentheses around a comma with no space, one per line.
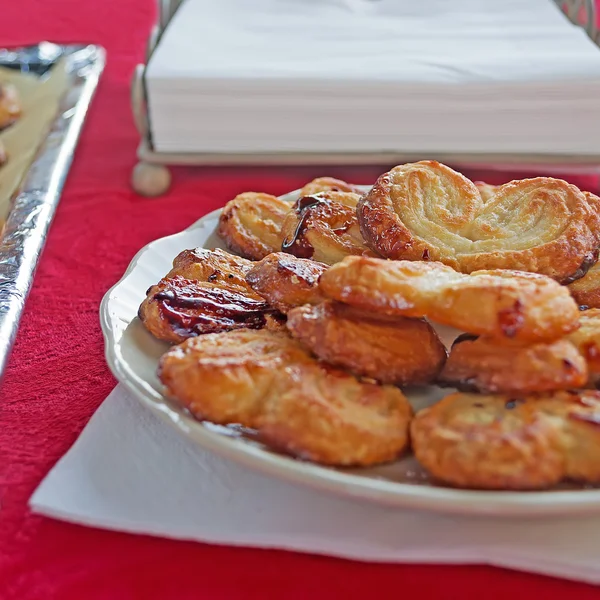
(132,354)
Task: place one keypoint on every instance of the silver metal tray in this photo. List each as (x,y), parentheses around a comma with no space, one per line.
(33,208)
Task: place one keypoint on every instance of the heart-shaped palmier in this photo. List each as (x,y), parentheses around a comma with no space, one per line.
(427,211)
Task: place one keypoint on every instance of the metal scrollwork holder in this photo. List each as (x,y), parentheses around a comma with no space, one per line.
(151,175)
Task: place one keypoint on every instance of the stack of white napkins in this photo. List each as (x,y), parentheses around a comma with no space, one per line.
(348,76)
(131,472)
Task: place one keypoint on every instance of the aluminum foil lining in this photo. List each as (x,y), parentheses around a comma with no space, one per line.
(24,235)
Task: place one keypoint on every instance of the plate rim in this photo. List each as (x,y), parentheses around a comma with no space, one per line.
(444,500)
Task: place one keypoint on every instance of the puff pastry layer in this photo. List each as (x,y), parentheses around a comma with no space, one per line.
(328,184)
(501,304)
(250,224)
(205,292)
(427,211)
(482,364)
(324,227)
(586,290)
(505,442)
(391,350)
(587,341)
(286,281)
(266,381)
(10,105)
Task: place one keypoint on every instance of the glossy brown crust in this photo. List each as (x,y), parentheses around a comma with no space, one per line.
(391,350)
(427,211)
(506,442)
(213,266)
(324,227)
(485,365)
(268,382)
(285,281)
(328,184)
(250,224)
(205,292)
(587,341)
(10,105)
(500,304)
(586,290)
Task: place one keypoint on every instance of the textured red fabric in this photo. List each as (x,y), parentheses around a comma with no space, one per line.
(57,376)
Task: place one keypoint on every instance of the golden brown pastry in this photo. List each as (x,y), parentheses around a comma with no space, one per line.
(205,292)
(483,364)
(586,290)
(427,211)
(286,281)
(213,266)
(391,350)
(486,190)
(587,341)
(324,227)
(10,105)
(501,304)
(250,224)
(266,381)
(505,442)
(327,184)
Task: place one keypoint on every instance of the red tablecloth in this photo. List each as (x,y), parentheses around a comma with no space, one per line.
(57,376)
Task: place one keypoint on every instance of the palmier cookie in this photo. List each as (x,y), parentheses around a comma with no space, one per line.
(500,304)
(10,105)
(427,211)
(586,290)
(286,281)
(324,227)
(483,364)
(587,341)
(506,443)
(250,224)
(391,350)
(328,184)
(205,292)
(266,381)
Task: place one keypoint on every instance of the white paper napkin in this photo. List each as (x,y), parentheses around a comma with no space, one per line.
(374,76)
(429,41)
(130,472)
